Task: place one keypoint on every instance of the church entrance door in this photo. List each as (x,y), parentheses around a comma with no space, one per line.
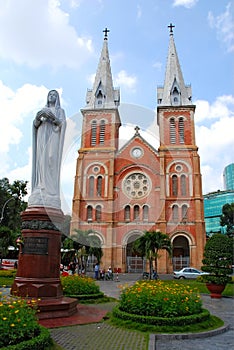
(181,257)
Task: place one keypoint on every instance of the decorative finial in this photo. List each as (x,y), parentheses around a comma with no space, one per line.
(105,31)
(137,130)
(171,28)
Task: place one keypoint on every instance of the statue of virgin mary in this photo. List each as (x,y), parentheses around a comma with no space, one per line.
(49,128)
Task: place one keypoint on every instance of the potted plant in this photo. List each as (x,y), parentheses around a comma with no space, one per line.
(217,262)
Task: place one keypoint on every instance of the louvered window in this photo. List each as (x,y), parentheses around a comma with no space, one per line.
(172,131)
(93,133)
(102,132)
(181,130)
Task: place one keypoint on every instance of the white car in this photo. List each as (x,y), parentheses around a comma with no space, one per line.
(188,272)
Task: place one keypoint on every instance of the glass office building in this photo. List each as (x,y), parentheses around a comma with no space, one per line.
(213,204)
(228,177)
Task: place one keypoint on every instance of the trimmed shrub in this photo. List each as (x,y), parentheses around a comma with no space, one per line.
(162,321)
(41,342)
(75,285)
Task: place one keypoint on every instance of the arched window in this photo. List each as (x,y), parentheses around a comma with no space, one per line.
(172,131)
(89,213)
(91,186)
(184,212)
(93,133)
(175,213)
(136,213)
(99,186)
(181,130)
(102,132)
(174,185)
(145,212)
(183,185)
(98,213)
(127,213)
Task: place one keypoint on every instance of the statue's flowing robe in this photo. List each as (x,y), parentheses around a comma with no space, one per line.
(48,140)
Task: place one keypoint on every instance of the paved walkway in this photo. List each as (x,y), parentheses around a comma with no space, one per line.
(102,336)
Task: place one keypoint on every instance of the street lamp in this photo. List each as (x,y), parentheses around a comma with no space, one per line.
(14,196)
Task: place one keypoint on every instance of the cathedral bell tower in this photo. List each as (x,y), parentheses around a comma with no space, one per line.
(180,177)
(93,188)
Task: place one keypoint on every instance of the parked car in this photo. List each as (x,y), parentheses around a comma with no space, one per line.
(188,272)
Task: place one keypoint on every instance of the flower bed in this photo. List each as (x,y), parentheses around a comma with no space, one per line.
(19,327)
(81,287)
(157,298)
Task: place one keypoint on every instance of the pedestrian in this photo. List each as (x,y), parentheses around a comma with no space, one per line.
(96,271)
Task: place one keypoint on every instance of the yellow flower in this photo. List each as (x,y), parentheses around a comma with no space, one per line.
(4,318)
(12,325)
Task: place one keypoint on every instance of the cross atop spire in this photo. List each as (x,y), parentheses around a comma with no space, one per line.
(105,31)
(137,130)
(171,26)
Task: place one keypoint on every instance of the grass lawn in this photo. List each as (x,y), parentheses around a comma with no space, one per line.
(228,291)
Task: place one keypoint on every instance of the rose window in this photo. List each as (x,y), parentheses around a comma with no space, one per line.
(136,185)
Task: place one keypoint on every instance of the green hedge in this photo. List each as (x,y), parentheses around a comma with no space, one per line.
(161,321)
(87,296)
(42,342)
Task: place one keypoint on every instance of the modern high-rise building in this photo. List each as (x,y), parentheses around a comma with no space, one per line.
(214,202)
(121,192)
(228,177)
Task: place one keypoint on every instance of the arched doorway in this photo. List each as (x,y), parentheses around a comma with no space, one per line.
(135,263)
(181,255)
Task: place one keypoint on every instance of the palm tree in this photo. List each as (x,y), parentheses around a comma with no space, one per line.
(87,244)
(149,245)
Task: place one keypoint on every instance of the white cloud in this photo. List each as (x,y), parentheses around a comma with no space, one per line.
(221,108)
(126,81)
(224,24)
(185,3)
(38,33)
(215,140)
(15,106)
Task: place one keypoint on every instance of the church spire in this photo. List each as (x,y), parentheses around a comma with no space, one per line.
(174,92)
(103,94)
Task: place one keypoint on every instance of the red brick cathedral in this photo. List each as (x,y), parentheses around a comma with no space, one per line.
(119,193)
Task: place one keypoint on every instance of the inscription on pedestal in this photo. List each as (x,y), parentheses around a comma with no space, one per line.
(35,245)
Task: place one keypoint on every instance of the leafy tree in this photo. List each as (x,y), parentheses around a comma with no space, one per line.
(227,218)
(150,244)
(82,244)
(11,205)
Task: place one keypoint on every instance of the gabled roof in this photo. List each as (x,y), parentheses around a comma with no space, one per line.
(103,94)
(132,139)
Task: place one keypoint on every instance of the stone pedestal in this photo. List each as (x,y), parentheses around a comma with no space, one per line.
(38,273)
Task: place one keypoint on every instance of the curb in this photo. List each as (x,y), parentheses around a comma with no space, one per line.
(179,336)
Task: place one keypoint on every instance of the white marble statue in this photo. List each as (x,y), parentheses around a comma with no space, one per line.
(48,138)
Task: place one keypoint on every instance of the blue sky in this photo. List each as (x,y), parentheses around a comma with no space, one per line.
(51,44)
